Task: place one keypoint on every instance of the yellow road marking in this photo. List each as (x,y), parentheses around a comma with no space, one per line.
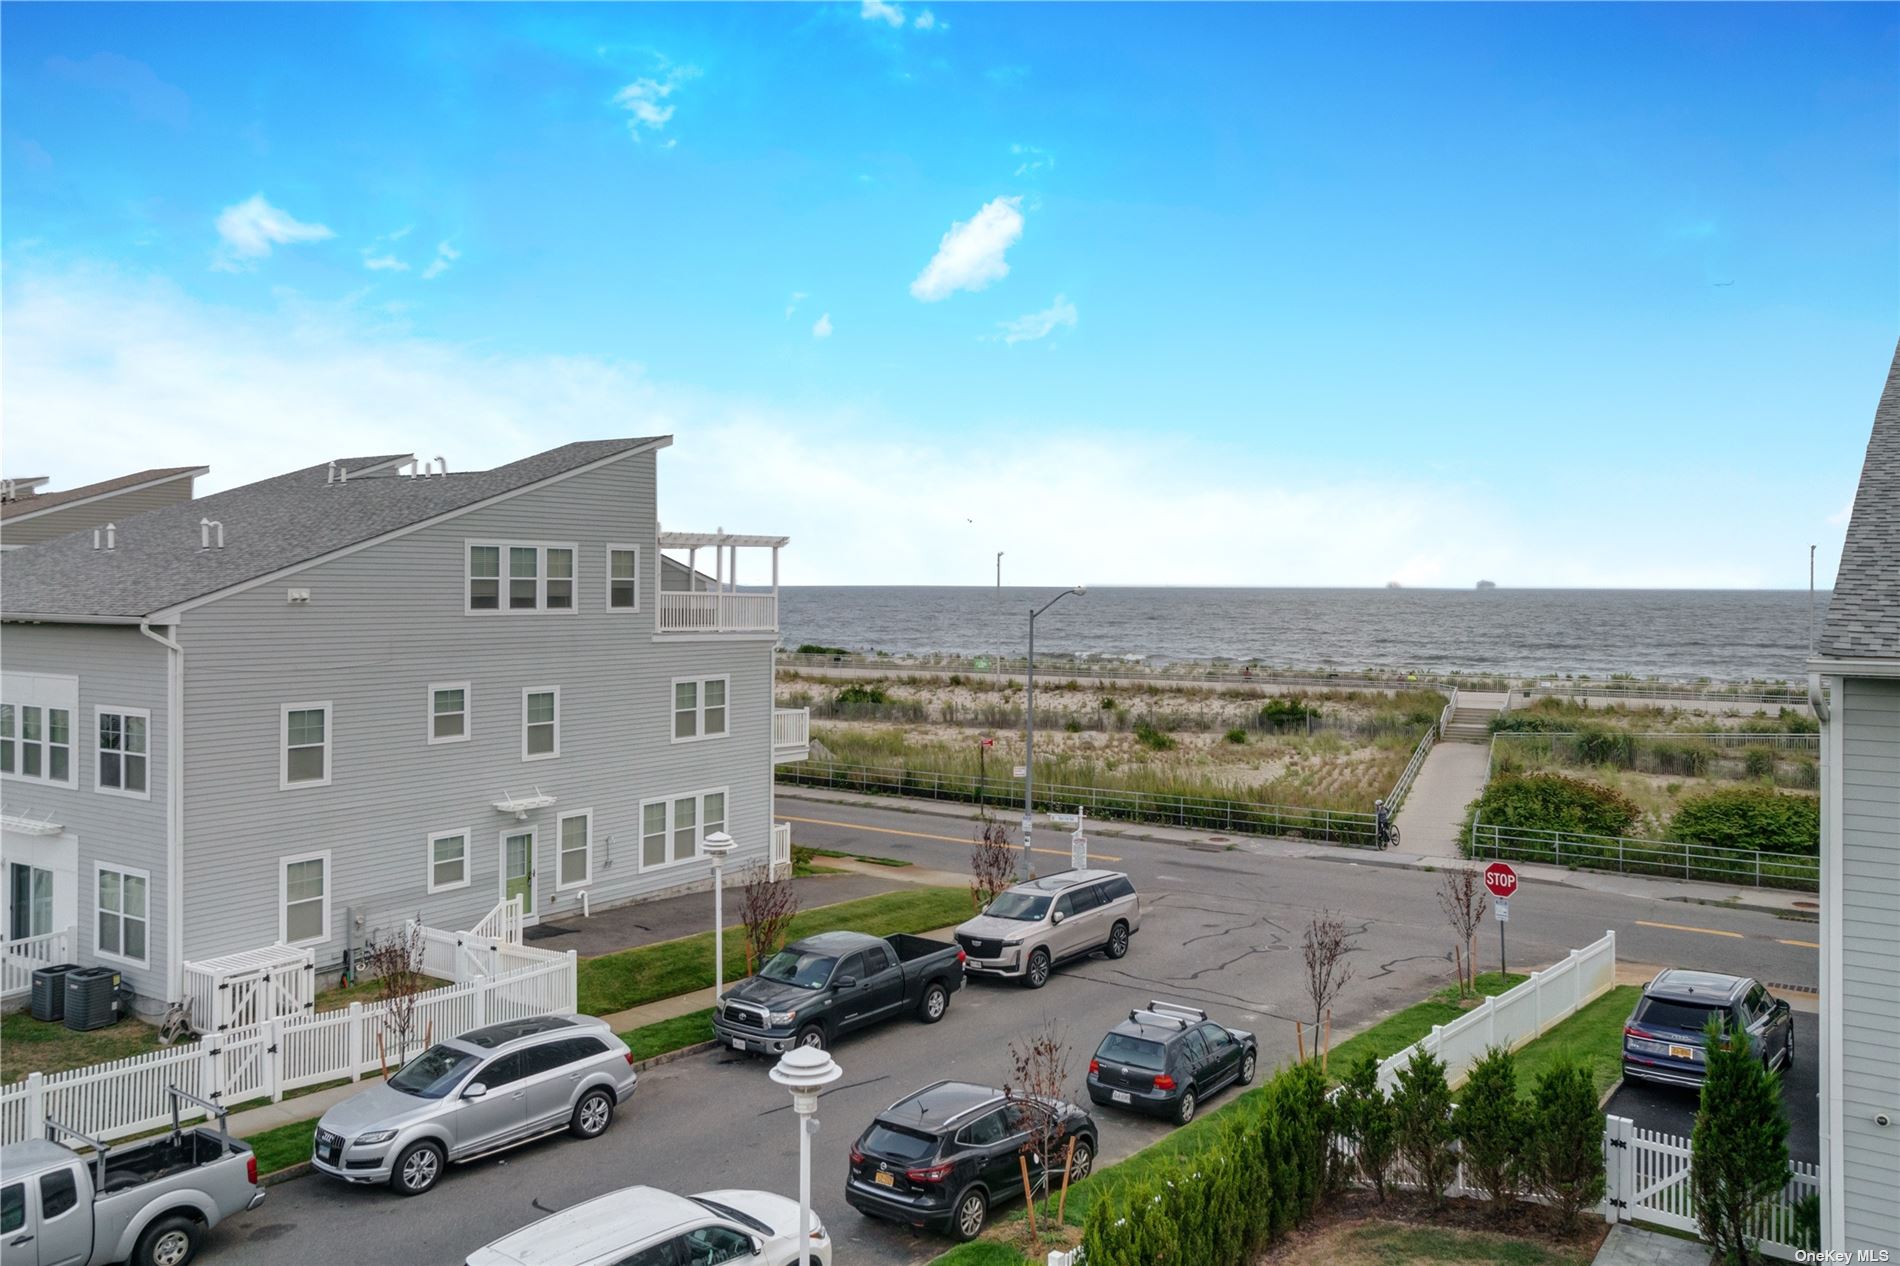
(919,835)
(1678,927)
(1800,944)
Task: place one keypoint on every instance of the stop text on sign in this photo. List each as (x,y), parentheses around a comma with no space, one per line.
(1500,879)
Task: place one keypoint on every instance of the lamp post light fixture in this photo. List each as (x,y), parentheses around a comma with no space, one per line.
(718,846)
(1029,715)
(805,1071)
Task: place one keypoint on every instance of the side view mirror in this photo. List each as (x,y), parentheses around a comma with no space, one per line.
(475,1091)
(1057,917)
(847,982)
(758,1246)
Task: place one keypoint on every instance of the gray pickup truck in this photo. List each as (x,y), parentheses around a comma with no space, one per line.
(149,1204)
(815,990)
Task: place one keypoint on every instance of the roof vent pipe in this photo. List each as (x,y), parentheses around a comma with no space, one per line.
(441,464)
(409,469)
(331,477)
(111,531)
(204,533)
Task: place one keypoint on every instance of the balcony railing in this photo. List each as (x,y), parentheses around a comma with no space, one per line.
(20,958)
(791,734)
(684,611)
(781,861)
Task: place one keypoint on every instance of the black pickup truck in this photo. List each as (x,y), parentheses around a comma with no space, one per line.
(815,990)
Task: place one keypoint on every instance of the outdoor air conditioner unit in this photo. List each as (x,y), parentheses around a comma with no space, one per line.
(92,998)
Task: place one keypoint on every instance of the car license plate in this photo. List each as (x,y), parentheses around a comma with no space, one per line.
(883,1179)
(1120,1096)
(738,1043)
(326,1154)
(1681,1052)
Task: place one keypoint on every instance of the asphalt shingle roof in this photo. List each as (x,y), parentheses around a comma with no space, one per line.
(268,526)
(1863,618)
(54,500)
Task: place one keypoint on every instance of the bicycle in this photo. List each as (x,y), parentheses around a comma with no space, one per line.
(1388,836)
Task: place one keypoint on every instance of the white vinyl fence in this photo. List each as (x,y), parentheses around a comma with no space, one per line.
(1647,1179)
(21,958)
(268,1060)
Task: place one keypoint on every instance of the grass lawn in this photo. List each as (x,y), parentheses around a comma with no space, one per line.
(284,1146)
(669,1035)
(1380,1243)
(366,991)
(614,982)
(980,1253)
(1593,1036)
(856,857)
(38,1046)
(1399,1030)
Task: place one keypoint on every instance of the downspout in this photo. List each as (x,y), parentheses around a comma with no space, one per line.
(1817,699)
(174,807)
(1833,1106)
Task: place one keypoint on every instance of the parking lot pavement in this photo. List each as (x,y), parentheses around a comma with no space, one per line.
(1671,1109)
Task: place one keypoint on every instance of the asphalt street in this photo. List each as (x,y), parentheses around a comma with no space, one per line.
(1221,929)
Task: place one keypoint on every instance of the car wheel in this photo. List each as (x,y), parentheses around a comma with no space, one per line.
(170,1241)
(812,1035)
(972,1209)
(1081,1160)
(933,1004)
(1184,1107)
(417,1170)
(592,1115)
(1246,1069)
(1037,974)
(1118,940)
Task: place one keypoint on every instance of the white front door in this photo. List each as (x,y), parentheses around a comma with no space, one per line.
(517,869)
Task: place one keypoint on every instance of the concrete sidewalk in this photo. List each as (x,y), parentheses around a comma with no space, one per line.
(1434,810)
(1628,1245)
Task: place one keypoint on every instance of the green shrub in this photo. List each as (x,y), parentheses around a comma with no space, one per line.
(1236,735)
(1565,1153)
(1749,818)
(812,648)
(860,694)
(1801,771)
(1529,723)
(1108,703)
(1148,736)
(1606,747)
(1759,762)
(1738,1151)
(1282,714)
(1553,802)
(1422,1107)
(1688,759)
(1072,725)
(1490,1127)
(1366,1118)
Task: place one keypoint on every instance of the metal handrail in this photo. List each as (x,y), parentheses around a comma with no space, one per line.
(1627,855)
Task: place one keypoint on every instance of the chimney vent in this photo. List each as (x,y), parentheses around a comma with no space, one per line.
(111,532)
(204,533)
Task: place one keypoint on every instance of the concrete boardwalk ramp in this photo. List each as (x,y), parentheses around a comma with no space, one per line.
(1434,809)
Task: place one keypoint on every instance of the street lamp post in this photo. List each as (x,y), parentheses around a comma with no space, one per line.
(805,1070)
(1029,713)
(717,846)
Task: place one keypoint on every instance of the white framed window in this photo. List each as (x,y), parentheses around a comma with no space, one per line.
(574,861)
(122,759)
(36,743)
(541,723)
(519,576)
(123,902)
(673,830)
(699,708)
(448,715)
(305,746)
(623,577)
(448,861)
(303,899)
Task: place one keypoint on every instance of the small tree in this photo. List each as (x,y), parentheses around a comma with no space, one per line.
(1327,971)
(992,862)
(1565,1152)
(1462,896)
(1422,1108)
(394,960)
(1368,1120)
(767,907)
(1738,1152)
(1039,1076)
(1490,1127)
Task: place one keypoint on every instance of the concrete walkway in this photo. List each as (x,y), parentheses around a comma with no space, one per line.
(1434,809)
(1627,1245)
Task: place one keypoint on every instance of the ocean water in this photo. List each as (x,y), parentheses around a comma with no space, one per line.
(1727,635)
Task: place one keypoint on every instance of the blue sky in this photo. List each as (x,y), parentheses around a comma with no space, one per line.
(1239,294)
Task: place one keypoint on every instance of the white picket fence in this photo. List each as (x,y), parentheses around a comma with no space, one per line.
(1647,1179)
(1518,1015)
(19,959)
(268,1060)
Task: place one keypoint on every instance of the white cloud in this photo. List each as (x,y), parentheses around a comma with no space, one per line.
(445,255)
(1034,325)
(1034,160)
(970,256)
(927,21)
(251,227)
(881,11)
(791,305)
(645,100)
(384,263)
(821,328)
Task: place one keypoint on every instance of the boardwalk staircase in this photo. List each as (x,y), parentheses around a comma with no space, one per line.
(1471,721)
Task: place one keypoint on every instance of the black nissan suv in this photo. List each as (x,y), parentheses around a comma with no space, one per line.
(1167,1059)
(943,1156)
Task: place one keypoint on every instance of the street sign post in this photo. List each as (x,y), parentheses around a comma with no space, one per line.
(1502,881)
(1079,850)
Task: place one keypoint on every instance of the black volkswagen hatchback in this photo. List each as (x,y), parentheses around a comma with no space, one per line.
(942,1157)
(1167,1059)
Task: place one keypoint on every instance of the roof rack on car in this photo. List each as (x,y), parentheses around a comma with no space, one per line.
(1168,1013)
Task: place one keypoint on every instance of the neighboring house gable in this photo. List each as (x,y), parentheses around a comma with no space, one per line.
(29,516)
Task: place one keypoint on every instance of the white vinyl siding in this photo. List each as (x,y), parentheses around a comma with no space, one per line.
(122,901)
(304,899)
(699,708)
(673,830)
(305,739)
(122,758)
(623,577)
(37,713)
(519,576)
(541,723)
(448,716)
(448,861)
(575,863)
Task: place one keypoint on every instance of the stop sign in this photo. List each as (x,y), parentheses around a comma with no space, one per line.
(1500,879)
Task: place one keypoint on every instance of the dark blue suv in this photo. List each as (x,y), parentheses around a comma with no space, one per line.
(1663,1040)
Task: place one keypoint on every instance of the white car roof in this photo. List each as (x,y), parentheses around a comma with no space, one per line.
(583,1233)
